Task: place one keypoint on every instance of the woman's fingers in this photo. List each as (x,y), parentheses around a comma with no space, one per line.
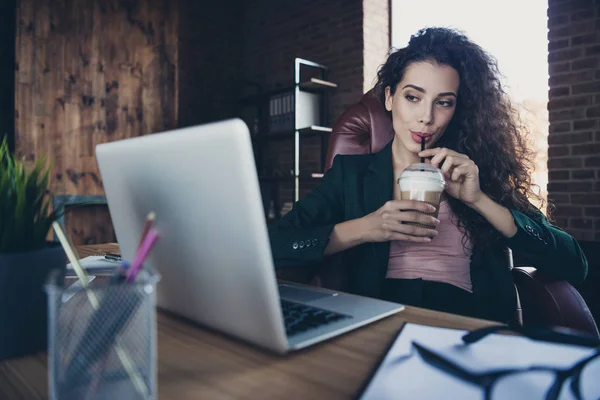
(457,173)
(400,226)
(440,155)
(417,218)
(442,152)
(464,170)
(409,220)
(448,163)
(399,205)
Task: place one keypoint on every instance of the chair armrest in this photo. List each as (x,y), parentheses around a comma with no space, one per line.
(551,302)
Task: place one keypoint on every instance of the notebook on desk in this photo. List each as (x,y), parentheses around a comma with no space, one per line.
(214,254)
(507,367)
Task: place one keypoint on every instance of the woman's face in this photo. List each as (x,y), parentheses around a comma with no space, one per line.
(423,104)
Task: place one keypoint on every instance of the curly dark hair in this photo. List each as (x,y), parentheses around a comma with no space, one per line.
(485,126)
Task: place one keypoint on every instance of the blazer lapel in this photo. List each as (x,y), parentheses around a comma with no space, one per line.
(378,189)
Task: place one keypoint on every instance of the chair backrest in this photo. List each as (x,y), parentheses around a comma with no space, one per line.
(365,127)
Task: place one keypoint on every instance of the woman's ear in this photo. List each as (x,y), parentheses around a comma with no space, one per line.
(389,100)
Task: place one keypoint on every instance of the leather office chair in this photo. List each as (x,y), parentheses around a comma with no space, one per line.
(366,127)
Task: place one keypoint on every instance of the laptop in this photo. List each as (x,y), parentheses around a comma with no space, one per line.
(214,254)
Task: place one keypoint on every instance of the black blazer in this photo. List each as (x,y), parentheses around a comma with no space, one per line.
(357,185)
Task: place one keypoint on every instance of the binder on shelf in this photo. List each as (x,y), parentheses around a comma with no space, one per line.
(301,108)
(281,113)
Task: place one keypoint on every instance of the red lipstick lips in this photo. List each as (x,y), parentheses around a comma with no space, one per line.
(416,136)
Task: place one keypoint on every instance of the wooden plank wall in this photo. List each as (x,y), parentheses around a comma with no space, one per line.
(88,72)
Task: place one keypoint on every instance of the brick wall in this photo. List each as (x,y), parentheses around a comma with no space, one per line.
(335,33)
(210,43)
(330,33)
(224,54)
(574,114)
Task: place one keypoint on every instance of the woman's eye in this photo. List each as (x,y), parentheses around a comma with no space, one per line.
(445,103)
(411,98)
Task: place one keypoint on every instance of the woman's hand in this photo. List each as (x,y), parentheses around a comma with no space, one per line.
(388,222)
(462,175)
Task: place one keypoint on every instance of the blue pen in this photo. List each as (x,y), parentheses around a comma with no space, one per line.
(120,273)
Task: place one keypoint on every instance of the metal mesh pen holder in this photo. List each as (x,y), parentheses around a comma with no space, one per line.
(102,340)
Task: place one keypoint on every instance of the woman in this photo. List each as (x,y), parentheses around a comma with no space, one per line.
(444,90)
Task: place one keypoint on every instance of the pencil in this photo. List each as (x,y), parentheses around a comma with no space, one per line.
(147,225)
(74,259)
(142,254)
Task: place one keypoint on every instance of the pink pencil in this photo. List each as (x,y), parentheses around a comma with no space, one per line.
(147,225)
(142,254)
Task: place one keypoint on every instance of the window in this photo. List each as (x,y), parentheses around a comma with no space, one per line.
(515,33)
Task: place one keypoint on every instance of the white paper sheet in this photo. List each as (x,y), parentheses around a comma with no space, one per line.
(96,263)
(405,376)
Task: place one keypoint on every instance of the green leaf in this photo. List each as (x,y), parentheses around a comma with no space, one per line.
(24,203)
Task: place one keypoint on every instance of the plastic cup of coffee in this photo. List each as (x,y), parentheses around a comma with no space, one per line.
(422,182)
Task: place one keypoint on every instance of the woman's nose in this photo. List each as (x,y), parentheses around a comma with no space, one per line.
(426,115)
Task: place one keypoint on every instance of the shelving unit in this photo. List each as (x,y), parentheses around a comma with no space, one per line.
(279,119)
(320,84)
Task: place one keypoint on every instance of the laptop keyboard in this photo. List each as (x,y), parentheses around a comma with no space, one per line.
(300,317)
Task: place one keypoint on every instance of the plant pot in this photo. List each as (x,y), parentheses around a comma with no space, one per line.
(23,301)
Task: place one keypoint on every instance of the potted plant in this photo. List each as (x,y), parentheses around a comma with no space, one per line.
(26,257)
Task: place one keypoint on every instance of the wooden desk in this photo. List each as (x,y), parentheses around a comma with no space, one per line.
(196,363)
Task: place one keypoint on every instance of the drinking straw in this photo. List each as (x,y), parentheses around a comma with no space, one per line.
(422,149)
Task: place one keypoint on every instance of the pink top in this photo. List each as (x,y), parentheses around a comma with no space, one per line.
(444,259)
